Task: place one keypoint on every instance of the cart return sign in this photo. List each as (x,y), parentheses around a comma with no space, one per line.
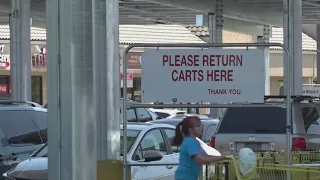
(208,75)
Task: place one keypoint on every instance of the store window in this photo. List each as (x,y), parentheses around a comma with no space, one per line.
(36,89)
(4,87)
(281,87)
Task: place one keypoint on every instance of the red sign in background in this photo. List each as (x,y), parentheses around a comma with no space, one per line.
(39,61)
(4,88)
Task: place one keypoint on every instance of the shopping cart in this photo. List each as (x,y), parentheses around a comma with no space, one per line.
(270,166)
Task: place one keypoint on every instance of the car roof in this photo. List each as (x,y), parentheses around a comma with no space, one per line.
(167,110)
(21,107)
(141,126)
(180,119)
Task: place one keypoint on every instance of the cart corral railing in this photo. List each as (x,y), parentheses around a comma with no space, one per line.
(270,166)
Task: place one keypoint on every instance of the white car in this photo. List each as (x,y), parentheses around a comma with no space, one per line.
(143,138)
(167,113)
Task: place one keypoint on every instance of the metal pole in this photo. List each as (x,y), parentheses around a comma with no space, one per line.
(265,39)
(215,23)
(20,54)
(287,76)
(297,46)
(72,143)
(318,54)
(53,78)
(100,75)
(113,80)
(205,45)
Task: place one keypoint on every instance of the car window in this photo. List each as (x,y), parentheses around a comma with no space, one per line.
(153,140)
(41,123)
(209,132)
(310,116)
(131,115)
(131,138)
(162,114)
(153,115)
(170,122)
(254,120)
(43,152)
(170,134)
(19,128)
(143,114)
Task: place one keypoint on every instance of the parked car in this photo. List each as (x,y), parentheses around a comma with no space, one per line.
(23,130)
(137,114)
(201,116)
(167,113)
(144,139)
(264,129)
(209,126)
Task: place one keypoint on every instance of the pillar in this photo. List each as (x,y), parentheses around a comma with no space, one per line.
(265,39)
(318,54)
(292,37)
(20,50)
(107,77)
(215,23)
(71,108)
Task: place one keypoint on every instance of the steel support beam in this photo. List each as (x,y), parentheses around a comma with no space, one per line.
(71,109)
(318,53)
(296,41)
(265,39)
(241,12)
(107,77)
(20,54)
(215,22)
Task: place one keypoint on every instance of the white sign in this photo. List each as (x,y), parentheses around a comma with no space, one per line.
(210,75)
(311,90)
(129,80)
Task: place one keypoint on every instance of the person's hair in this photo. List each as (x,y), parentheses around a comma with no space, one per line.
(183,128)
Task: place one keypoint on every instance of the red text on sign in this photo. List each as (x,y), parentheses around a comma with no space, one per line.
(187,75)
(222,60)
(219,75)
(181,60)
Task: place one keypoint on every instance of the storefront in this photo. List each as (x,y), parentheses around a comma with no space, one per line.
(38,71)
(134,76)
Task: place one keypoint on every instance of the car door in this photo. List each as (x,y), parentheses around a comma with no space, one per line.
(21,135)
(154,140)
(170,133)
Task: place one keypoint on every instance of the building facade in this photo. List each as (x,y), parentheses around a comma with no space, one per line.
(130,34)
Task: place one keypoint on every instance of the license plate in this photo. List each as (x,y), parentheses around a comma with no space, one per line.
(253,146)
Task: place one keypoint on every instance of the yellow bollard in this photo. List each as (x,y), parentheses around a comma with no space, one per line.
(111,170)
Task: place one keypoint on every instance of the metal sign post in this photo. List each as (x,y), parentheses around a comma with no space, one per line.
(125,106)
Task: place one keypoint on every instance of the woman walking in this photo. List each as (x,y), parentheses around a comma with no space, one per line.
(192,156)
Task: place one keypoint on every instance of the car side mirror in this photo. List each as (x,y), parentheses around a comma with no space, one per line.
(152,155)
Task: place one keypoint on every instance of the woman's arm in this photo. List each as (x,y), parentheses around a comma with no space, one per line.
(206,159)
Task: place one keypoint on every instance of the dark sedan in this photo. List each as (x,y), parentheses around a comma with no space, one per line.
(209,126)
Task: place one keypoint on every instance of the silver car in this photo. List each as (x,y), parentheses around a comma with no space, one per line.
(143,138)
(264,129)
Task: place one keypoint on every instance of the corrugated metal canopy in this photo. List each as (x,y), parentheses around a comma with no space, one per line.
(130,34)
(184,11)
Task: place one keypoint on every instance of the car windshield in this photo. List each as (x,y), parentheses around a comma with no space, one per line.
(131,136)
(254,120)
